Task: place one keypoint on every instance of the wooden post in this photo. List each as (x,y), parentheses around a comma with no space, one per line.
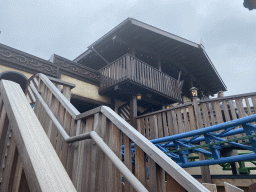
(133,110)
(205,170)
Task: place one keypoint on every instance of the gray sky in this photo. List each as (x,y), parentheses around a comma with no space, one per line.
(66,28)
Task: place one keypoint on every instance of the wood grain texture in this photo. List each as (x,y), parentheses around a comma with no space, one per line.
(179,174)
(42,167)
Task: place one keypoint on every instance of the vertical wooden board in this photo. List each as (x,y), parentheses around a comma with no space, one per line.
(127,160)
(232,188)
(147,120)
(218,111)
(172,185)
(232,110)
(64,149)
(116,148)
(254,103)
(2,120)
(151,164)
(249,112)
(101,167)
(175,123)
(60,139)
(110,174)
(170,123)
(140,159)
(52,131)
(165,127)
(160,176)
(191,118)
(75,152)
(87,168)
(211,111)
(160,125)
(185,117)
(71,148)
(205,115)
(7,161)
(240,108)
(226,111)
(17,176)
(180,121)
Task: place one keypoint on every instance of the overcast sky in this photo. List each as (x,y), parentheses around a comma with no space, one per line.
(66,28)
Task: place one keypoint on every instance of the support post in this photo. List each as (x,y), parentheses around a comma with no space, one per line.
(205,170)
(133,110)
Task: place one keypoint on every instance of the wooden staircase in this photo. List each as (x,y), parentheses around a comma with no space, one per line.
(56,148)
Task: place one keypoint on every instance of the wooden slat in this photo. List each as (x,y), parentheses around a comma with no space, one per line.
(179,174)
(248,106)
(191,118)
(43,168)
(170,123)
(180,121)
(140,159)
(7,161)
(165,127)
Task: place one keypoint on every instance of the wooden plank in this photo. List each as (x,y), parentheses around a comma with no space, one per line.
(179,174)
(7,161)
(151,164)
(43,168)
(140,158)
(191,118)
(87,169)
(160,125)
(210,187)
(180,121)
(185,116)
(17,176)
(248,106)
(165,127)
(175,123)
(61,98)
(231,188)
(240,107)
(170,123)
(205,115)
(254,102)
(101,168)
(172,185)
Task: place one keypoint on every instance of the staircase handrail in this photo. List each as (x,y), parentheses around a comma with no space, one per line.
(44,170)
(179,174)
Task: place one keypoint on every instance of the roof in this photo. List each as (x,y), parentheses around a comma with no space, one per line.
(149,41)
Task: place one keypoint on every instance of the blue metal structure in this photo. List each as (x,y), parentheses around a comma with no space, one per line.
(180,146)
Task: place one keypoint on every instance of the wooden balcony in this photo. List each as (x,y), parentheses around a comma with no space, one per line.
(130,70)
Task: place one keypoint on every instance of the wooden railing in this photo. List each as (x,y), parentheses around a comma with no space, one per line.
(28,162)
(131,68)
(95,163)
(196,115)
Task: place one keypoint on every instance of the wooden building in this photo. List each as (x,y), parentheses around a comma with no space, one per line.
(132,59)
(135,69)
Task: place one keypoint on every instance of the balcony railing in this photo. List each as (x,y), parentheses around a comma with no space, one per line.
(131,68)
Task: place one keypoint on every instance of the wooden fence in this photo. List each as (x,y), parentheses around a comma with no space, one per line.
(196,115)
(131,68)
(92,168)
